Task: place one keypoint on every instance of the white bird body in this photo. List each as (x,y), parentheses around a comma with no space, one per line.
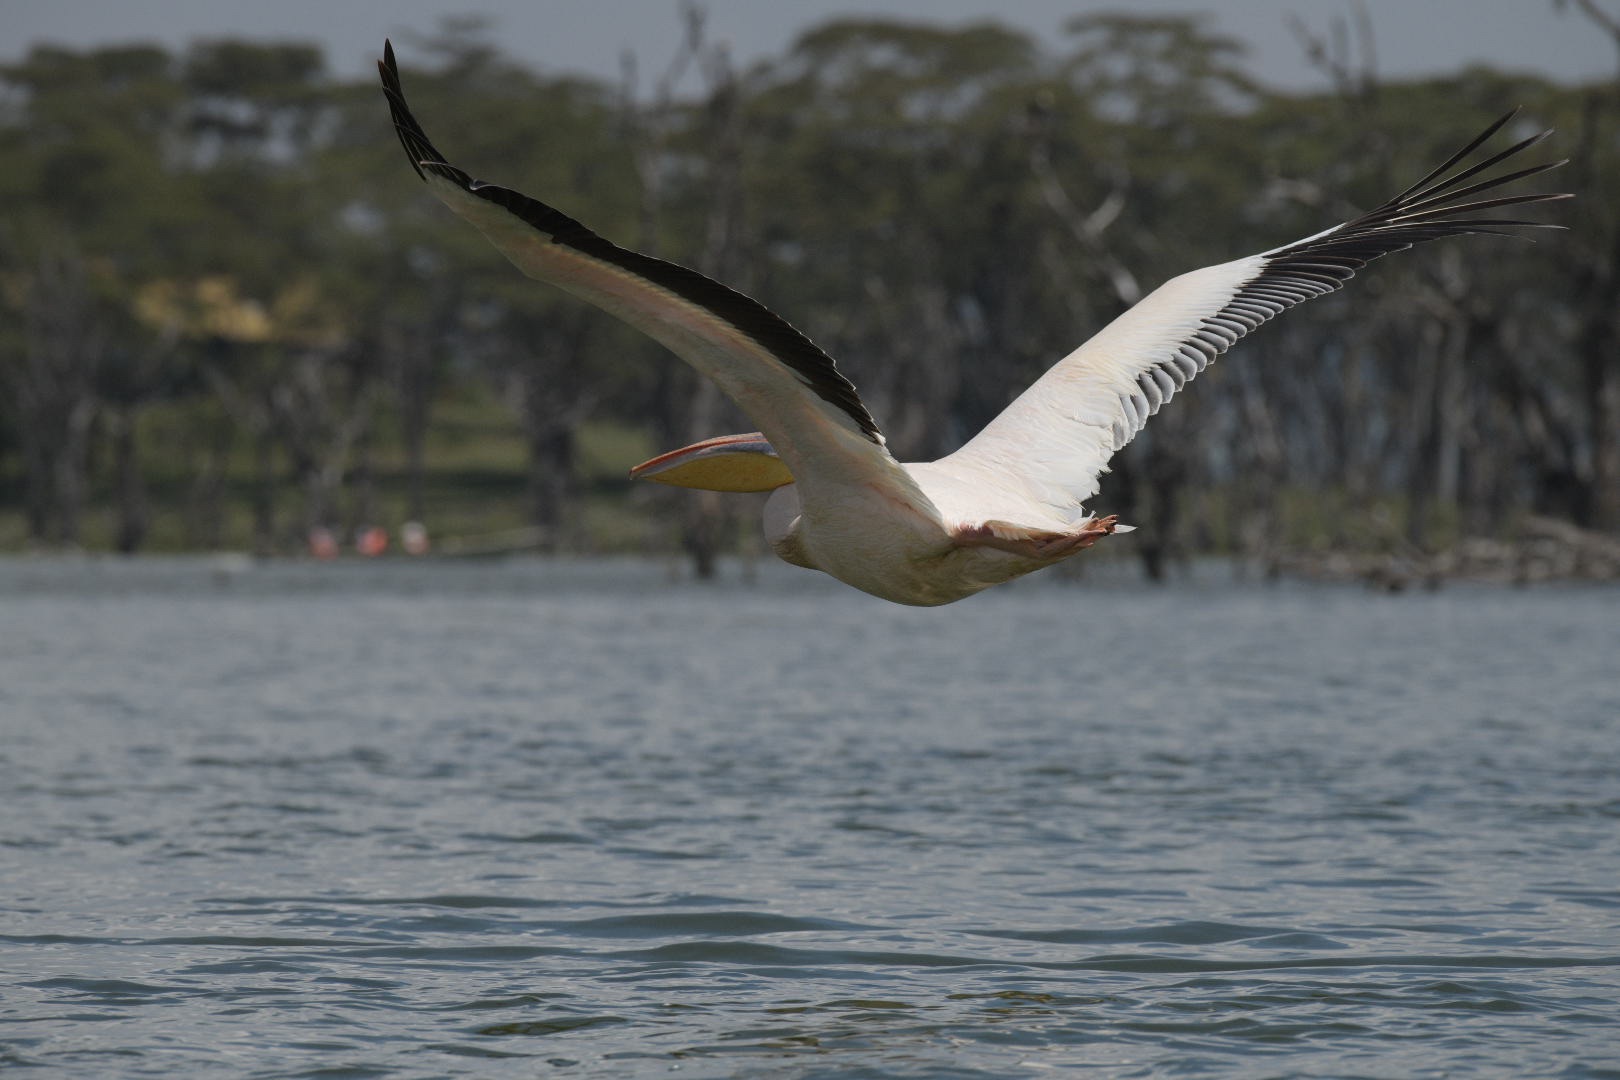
(1034,464)
(904,550)
(1011,500)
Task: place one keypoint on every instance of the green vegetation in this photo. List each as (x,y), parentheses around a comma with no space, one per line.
(229,313)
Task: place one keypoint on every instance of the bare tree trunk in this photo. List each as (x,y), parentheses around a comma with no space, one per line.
(1598,285)
(71,472)
(551,481)
(411,358)
(36,487)
(264,493)
(321,410)
(129,489)
(1423,424)
(361,485)
(1262,472)
(52,393)
(1600,367)
(245,383)
(545,390)
(207,452)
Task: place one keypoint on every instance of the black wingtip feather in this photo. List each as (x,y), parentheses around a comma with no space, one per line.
(791,347)
(1426,191)
(1428,210)
(1459,155)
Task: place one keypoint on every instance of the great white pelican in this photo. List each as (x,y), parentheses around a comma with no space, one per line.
(1011,500)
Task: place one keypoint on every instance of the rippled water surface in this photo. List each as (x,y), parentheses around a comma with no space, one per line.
(534,820)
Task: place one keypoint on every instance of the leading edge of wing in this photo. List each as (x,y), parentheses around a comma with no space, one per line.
(775,336)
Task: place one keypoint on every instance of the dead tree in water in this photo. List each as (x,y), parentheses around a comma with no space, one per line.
(1596,289)
(52,392)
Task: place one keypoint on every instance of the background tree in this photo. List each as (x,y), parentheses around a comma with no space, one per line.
(220,287)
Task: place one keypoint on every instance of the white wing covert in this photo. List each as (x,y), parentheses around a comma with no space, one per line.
(1054,441)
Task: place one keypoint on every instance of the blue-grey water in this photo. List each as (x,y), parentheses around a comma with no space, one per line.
(539,819)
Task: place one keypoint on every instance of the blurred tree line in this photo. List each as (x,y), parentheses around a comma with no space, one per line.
(229,313)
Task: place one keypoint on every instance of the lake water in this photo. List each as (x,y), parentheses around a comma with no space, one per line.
(535,819)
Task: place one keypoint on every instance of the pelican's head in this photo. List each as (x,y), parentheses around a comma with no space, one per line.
(728,463)
(737,463)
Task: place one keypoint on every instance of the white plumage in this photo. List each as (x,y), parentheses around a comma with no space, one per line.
(1012,499)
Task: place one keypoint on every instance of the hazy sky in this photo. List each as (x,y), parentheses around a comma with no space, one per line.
(1412,36)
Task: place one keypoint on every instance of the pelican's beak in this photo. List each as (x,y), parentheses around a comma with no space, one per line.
(729,463)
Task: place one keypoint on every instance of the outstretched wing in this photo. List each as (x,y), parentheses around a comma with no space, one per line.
(1053,442)
(790,388)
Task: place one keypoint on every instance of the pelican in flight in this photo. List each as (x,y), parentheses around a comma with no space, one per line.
(1009,502)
